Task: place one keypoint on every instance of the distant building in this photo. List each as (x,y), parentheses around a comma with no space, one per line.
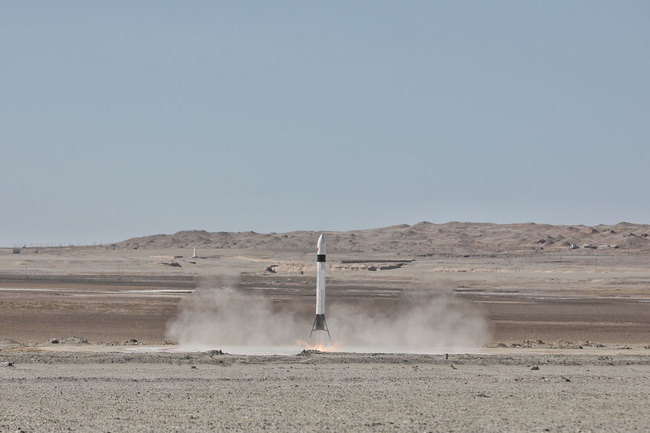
(16,251)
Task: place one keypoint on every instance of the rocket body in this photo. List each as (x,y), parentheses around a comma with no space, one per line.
(320,275)
(319,322)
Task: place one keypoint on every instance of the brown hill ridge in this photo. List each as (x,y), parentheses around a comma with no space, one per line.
(423,238)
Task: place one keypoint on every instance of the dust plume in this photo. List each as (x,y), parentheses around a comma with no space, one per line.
(420,323)
(231,317)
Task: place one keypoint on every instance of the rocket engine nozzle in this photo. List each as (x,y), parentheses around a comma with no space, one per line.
(320,324)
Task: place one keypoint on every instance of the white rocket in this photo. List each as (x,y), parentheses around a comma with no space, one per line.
(319,322)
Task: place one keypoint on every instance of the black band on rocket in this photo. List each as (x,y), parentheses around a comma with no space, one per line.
(320,257)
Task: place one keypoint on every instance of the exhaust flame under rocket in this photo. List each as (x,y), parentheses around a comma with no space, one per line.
(319,322)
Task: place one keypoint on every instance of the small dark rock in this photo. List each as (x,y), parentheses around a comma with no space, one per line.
(74,340)
(534,367)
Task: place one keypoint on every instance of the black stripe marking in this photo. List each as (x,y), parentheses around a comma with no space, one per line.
(320,257)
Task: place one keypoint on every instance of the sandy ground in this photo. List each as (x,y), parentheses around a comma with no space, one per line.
(107,295)
(511,392)
(582,318)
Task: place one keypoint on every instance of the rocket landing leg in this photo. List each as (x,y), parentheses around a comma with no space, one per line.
(320,325)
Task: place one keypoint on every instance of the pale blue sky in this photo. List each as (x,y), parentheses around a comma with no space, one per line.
(120,119)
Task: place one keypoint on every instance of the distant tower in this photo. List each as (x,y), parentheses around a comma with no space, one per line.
(194,255)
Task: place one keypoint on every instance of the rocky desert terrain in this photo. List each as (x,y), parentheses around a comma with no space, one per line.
(324,392)
(520,327)
(574,284)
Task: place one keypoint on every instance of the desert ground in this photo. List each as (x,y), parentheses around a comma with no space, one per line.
(452,327)
(324,392)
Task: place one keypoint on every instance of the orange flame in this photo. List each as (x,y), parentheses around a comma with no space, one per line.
(319,346)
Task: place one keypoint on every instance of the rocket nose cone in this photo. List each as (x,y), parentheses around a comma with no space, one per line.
(320,246)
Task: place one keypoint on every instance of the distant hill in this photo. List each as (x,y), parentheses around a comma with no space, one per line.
(423,238)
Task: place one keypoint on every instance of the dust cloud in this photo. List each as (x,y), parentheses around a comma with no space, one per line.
(230,317)
(221,317)
(432,323)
